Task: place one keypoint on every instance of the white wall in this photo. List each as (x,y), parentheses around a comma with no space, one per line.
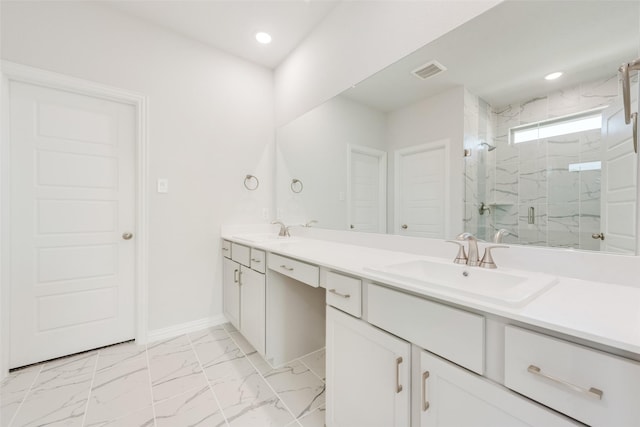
(210,123)
(435,118)
(313,148)
(358,39)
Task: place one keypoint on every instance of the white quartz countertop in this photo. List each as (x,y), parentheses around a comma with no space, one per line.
(604,313)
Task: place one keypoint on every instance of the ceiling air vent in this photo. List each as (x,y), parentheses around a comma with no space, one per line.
(428,70)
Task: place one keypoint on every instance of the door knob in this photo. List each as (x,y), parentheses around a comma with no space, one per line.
(598,236)
(127,236)
(351,226)
(405,226)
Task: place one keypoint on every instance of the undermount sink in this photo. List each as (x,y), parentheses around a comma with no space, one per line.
(507,288)
(262,237)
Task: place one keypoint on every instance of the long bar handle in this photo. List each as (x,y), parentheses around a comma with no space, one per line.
(333,291)
(286,268)
(592,392)
(236,276)
(626,86)
(635,132)
(256,260)
(398,385)
(425,402)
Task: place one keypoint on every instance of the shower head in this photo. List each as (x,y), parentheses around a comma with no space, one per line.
(489,146)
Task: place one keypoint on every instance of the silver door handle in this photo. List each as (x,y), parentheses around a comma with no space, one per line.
(256,260)
(127,236)
(235,276)
(634,117)
(398,385)
(592,392)
(333,291)
(405,226)
(425,402)
(286,268)
(598,236)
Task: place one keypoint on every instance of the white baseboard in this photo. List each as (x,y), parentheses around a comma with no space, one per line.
(185,328)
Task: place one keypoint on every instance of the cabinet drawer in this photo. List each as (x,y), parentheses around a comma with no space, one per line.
(241,254)
(301,271)
(257,260)
(226,248)
(453,334)
(344,293)
(591,386)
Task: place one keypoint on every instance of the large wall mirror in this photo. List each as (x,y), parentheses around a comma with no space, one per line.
(466,134)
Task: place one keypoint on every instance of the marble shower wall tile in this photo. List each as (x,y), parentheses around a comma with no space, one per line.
(534,110)
(590,186)
(563,225)
(536,233)
(564,102)
(591,145)
(532,182)
(599,93)
(506,187)
(590,223)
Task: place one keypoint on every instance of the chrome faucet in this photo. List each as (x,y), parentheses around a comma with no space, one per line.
(472,257)
(501,234)
(284,230)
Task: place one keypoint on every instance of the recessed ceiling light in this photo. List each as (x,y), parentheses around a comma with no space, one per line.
(553,76)
(263,38)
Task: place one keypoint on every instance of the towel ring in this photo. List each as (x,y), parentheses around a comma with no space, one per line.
(249,182)
(296,185)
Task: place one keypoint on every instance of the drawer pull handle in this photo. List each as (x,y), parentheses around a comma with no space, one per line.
(286,268)
(425,402)
(236,276)
(398,385)
(592,392)
(225,249)
(333,291)
(256,260)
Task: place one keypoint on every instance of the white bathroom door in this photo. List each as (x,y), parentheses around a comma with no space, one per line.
(367,183)
(618,183)
(71,201)
(422,190)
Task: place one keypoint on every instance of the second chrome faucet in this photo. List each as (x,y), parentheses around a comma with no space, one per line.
(473,259)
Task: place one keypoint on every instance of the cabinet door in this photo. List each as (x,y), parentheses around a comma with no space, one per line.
(252,307)
(231,291)
(453,397)
(368,374)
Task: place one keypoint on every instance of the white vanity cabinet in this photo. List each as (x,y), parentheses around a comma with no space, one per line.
(231,291)
(447,395)
(368,374)
(252,306)
(244,286)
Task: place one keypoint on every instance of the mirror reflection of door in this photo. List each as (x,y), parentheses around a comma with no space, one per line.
(422,190)
(367,195)
(619,175)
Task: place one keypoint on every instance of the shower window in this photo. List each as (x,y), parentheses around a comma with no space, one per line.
(581,122)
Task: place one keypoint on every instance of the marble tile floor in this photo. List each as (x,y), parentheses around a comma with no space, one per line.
(207,378)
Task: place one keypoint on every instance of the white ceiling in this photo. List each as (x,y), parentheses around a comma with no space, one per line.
(231,25)
(503,54)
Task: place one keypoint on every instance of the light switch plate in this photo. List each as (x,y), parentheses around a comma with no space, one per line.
(163,185)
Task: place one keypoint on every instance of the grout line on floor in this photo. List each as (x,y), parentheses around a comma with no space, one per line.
(193,348)
(93,378)
(262,376)
(15,414)
(312,371)
(153,406)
